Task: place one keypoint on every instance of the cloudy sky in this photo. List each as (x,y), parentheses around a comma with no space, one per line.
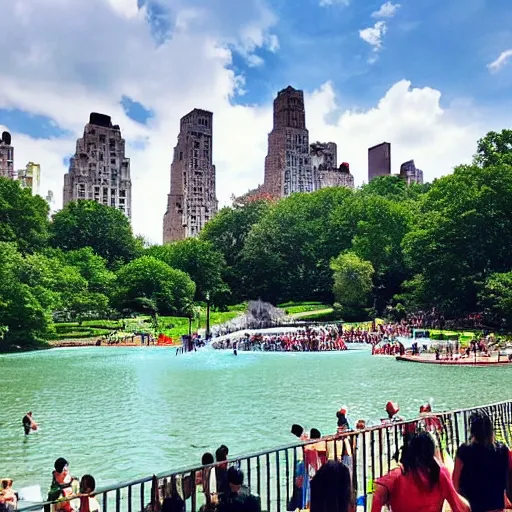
(429,76)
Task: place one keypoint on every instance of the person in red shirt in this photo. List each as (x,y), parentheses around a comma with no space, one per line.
(420,484)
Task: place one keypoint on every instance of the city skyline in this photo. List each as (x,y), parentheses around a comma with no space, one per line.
(390,84)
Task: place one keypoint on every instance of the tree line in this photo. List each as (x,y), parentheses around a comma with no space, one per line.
(385,247)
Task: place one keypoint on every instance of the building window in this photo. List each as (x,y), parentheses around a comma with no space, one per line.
(122,193)
(103,138)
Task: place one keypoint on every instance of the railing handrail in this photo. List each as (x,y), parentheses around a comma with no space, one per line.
(254,455)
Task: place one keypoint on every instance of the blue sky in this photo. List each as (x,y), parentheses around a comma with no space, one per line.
(430,76)
(446,45)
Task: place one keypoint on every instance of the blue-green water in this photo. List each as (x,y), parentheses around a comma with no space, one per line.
(122,413)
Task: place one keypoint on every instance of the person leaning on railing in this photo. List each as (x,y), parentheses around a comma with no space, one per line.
(483,467)
(421,483)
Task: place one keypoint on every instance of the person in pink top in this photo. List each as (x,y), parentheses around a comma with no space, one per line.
(421,484)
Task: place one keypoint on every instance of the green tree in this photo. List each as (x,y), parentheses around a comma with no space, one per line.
(53,283)
(86,303)
(494,149)
(23,217)
(287,253)
(352,282)
(201,261)
(496,299)
(377,226)
(24,320)
(227,232)
(394,188)
(93,269)
(463,235)
(90,224)
(171,290)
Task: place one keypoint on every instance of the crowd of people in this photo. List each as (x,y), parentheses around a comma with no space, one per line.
(316,338)
(420,480)
(68,493)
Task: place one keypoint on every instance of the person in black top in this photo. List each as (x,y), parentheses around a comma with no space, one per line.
(342,419)
(238,499)
(27,423)
(221,455)
(331,489)
(482,467)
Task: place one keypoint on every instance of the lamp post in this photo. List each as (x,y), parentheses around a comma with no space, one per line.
(207,315)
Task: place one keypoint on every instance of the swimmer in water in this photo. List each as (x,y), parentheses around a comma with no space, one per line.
(235,352)
(28,423)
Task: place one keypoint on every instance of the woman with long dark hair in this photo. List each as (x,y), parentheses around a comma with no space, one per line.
(420,484)
(331,489)
(482,467)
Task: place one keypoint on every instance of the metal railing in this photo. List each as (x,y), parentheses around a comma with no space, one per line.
(271,474)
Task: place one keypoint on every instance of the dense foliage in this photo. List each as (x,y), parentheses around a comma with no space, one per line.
(385,246)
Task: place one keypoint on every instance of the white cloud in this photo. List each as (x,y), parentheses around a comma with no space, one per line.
(410,118)
(66,70)
(387,10)
(373,35)
(325,3)
(128,8)
(501,61)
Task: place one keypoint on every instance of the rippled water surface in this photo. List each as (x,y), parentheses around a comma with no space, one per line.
(121,413)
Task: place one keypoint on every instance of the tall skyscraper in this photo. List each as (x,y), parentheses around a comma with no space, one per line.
(192,201)
(410,173)
(99,169)
(30,177)
(6,156)
(379,161)
(324,161)
(288,164)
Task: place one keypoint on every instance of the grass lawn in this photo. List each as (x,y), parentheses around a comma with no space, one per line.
(292,308)
(173,326)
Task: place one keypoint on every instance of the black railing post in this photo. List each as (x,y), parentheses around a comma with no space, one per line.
(142,498)
(267,460)
(129,498)
(278,482)
(258,475)
(365,471)
(287,460)
(105,502)
(249,472)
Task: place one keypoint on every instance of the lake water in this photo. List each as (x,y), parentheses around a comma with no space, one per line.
(123,413)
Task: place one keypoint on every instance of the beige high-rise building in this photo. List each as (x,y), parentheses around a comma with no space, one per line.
(30,177)
(6,156)
(288,164)
(192,201)
(99,169)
